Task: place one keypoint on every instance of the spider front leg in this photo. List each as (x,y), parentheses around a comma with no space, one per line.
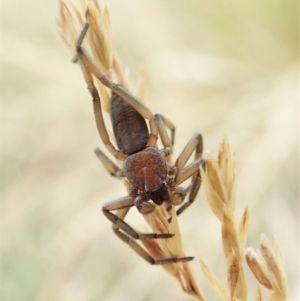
(98,115)
(122,203)
(144,254)
(128,235)
(89,67)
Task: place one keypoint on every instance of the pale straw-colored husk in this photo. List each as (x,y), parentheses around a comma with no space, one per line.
(267,266)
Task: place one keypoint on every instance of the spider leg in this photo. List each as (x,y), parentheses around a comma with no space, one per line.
(98,115)
(192,193)
(109,165)
(162,124)
(189,171)
(89,66)
(121,213)
(170,126)
(192,170)
(128,234)
(118,222)
(194,144)
(143,253)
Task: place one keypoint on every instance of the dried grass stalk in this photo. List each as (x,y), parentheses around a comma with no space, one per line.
(219,180)
(72,15)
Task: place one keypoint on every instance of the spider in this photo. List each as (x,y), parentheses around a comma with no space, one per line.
(151,179)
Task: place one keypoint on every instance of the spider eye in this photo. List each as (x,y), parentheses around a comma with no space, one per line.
(160,195)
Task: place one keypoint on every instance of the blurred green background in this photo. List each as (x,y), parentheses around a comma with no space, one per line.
(218,67)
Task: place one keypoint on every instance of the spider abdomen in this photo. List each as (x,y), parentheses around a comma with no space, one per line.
(130,128)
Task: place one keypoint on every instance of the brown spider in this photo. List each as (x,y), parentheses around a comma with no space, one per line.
(151,180)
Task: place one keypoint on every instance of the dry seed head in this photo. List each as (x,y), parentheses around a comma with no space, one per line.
(258,268)
(274,262)
(227,171)
(270,259)
(267,267)
(72,16)
(69,22)
(219,180)
(99,35)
